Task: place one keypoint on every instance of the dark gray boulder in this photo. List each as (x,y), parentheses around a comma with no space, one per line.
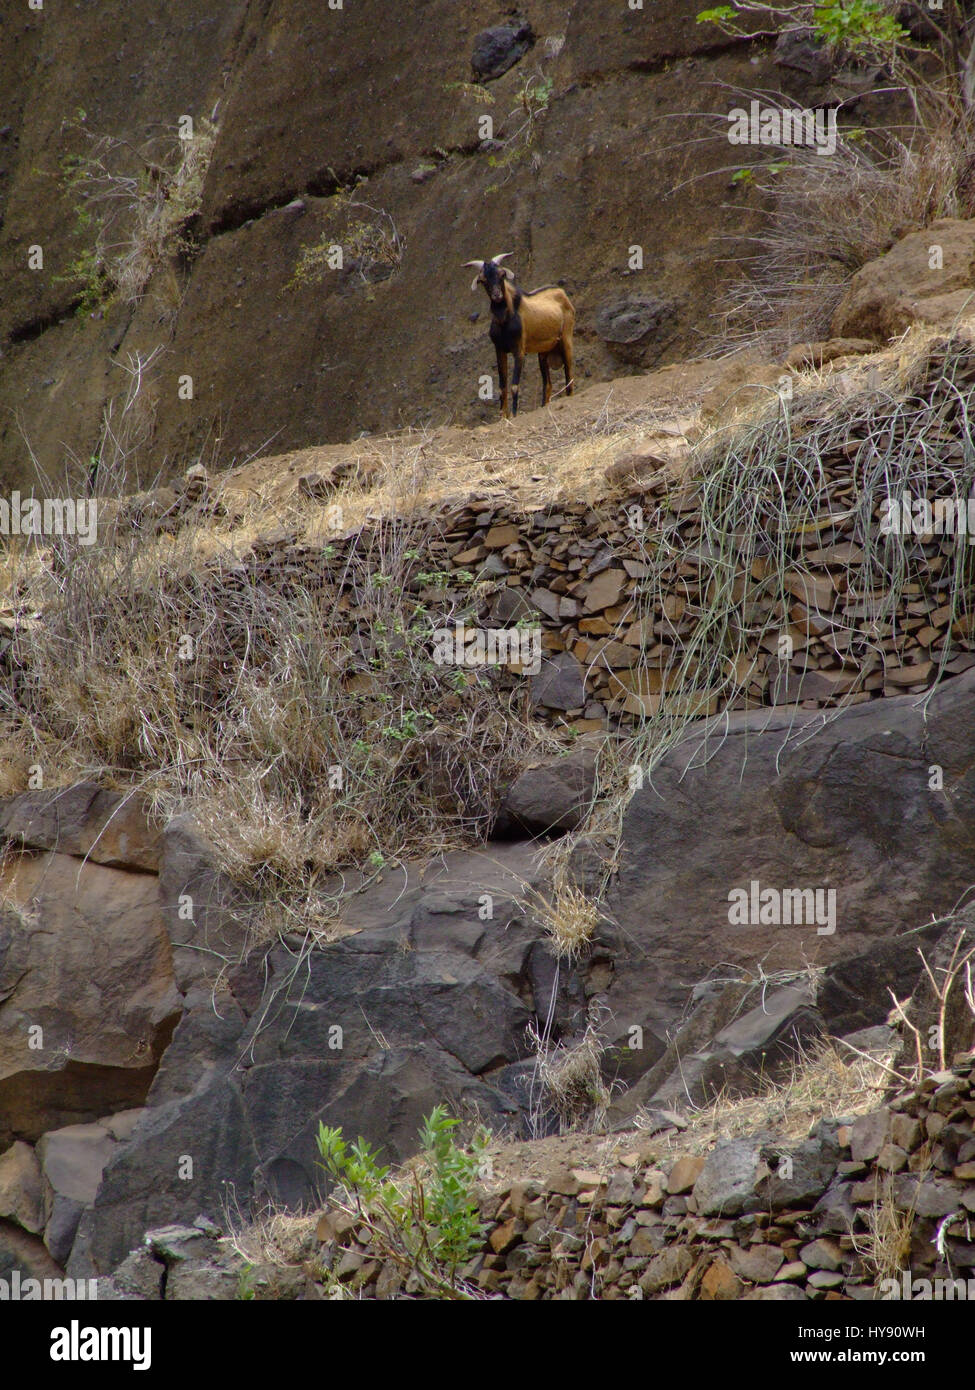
(549,799)
(497,49)
(424,1001)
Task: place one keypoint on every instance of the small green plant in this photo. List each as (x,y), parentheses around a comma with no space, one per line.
(133,207)
(856,24)
(534,97)
(851,25)
(426,1221)
(371,244)
(408,726)
(450,1207)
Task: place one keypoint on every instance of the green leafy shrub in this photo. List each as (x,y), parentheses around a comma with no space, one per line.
(425,1220)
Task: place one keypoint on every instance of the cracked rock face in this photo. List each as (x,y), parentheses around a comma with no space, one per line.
(375,99)
(424,1001)
(426,995)
(87,999)
(848,809)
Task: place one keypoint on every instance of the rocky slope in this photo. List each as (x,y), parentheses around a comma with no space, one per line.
(873,1206)
(306,101)
(156,1055)
(430,998)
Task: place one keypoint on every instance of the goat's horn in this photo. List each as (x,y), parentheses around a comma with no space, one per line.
(503,257)
(479,267)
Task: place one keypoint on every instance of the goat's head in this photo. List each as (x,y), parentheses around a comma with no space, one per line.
(492,275)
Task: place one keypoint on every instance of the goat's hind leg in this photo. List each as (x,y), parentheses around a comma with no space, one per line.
(566,350)
(545,378)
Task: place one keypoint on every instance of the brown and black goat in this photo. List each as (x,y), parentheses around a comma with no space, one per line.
(521,323)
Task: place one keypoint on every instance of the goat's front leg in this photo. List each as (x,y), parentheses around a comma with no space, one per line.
(516,378)
(503,379)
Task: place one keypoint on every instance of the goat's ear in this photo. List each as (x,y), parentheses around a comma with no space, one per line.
(509,273)
(478,280)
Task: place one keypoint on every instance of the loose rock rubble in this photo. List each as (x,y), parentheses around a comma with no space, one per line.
(578,573)
(751,1219)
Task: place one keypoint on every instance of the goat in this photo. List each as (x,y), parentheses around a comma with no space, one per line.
(540,322)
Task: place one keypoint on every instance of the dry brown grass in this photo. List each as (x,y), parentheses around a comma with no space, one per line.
(247,731)
(827,218)
(828,1081)
(133,205)
(825,1081)
(568,916)
(570,1078)
(302,746)
(886,1248)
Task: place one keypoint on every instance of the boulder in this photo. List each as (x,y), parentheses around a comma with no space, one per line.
(729,1058)
(87,998)
(855,993)
(838,803)
(424,1000)
(899,289)
(72,1160)
(22,1197)
(799,1174)
(551,798)
(497,49)
(728,1182)
(86,821)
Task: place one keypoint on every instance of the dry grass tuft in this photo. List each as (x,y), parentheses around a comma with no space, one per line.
(569,1078)
(569,917)
(133,206)
(886,1248)
(824,1081)
(826,218)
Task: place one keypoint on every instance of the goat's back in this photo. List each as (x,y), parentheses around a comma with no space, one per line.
(556,297)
